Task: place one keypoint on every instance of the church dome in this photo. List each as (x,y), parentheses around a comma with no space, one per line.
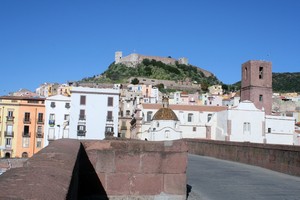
(165,114)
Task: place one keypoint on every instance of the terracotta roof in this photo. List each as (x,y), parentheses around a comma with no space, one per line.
(165,114)
(187,107)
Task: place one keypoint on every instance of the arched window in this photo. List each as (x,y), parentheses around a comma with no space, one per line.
(190,117)
(24,155)
(209,116)
(167,133)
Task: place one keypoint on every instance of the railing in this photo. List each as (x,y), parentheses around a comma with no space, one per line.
(39,134)
(81,133)
(26,121)
(10,118)
(8,133)
(81,117)
(40,121)
(26,134)
(109,119)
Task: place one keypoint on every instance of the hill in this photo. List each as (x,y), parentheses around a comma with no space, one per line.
(120,73)
(282,82)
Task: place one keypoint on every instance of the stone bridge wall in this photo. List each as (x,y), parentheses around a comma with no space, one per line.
(108,169)
(281,158)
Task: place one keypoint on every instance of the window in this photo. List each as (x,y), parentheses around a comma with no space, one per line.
(52,104)
(194,129)
(149,116)
(67,105)
(247,127)
(39,143)
(9,131)
(25,142)
(157,124)
(82,100)
(190,117)
(109,131)
(10,116)
(40,118)
(261,72)
(127,112)
(82,115)
(26,131)
(39,131)
(10,113)
(269,130)
(51,119)
(81,130)
(8,142)
(167,133)
(260,97)
(209,116)
(110,101)
(27,117)
(66,117)
(246,73)
(109,116)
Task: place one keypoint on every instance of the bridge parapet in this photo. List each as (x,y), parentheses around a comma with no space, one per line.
(108,169)
(281,158)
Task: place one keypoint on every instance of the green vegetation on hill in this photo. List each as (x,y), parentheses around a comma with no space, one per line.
(120,73)
(286,82)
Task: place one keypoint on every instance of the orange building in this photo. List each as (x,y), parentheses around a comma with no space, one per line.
(21,125)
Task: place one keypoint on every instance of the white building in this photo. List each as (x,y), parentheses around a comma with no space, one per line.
(57,118)
(246,123)
(192,122)
(94,113)
(164,125)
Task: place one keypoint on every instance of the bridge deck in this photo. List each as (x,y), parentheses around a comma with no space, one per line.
(214,179)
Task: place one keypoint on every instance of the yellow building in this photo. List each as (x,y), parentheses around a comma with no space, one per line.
(21,125)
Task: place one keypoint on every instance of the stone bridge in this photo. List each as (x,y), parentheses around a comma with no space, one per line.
(130,169)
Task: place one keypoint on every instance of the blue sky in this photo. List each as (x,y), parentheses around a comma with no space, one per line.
(59,41)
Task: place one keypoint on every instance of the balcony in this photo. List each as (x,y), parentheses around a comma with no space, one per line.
(10,118)
(123,127)
(109,119)
(39,134)
(81,133)
(26,134)
(51,122)
(26,121)
(8,133)
(40,121)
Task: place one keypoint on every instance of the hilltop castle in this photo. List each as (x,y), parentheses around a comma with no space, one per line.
(133,59)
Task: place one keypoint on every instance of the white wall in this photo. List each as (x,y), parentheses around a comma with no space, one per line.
(57,131)
(95,111)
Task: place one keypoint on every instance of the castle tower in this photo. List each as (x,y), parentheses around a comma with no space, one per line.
(118,56)
(257,84)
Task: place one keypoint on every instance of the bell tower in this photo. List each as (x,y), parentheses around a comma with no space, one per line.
(256,84)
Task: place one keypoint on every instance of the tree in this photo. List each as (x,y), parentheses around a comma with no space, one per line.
(135,81)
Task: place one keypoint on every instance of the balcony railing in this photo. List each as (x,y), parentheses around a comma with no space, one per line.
(26,121)
(81,133)
(8,133)
(40,121)
(109,119)
(10,118)
(26,134)
(81,117)
(39,134)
